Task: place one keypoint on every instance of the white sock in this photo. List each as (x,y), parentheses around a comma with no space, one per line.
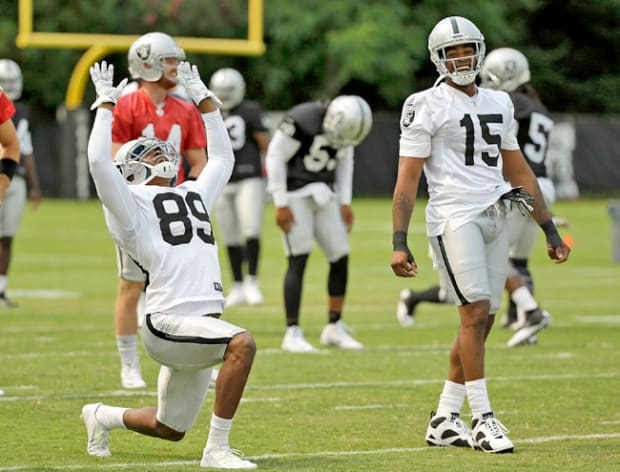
(219,431)
(451,398)
(128,349)
(111,416)
(3,283)
(478,397)
(524,299)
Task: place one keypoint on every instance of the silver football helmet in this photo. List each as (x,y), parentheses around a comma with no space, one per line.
(11,79)
(454,31)
(505,69)
(143,159)
(228,85)
(147,53)
(347,121)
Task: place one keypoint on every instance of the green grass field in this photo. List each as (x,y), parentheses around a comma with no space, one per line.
(333,411)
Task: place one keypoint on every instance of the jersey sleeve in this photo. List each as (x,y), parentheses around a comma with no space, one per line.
(509,140)
(415,128)
(111,187)
(7,109)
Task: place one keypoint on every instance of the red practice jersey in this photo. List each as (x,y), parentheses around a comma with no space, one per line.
(7,109)
(176,121)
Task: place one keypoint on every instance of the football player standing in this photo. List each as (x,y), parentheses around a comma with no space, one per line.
(464,140)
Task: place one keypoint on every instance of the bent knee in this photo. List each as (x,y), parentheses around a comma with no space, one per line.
(169,434)
(243,345)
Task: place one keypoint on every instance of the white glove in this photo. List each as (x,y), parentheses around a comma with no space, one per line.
(189,78)
(102,77)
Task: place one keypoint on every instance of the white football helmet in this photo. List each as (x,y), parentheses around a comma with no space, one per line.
(11,79)
(347,121)
(147,53)
(505,69)
(228,85)
(140,160)
(454,31)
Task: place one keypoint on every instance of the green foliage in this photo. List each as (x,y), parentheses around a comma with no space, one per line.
(363,411)
(315,49)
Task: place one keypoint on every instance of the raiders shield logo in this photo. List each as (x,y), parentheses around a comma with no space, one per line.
(143,51)
(408,115)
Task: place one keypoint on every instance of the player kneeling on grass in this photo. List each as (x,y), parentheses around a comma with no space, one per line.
(168,232)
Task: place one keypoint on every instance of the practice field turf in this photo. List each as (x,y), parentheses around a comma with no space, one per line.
(331,411)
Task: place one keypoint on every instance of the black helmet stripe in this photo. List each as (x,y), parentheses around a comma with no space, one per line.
(455,25)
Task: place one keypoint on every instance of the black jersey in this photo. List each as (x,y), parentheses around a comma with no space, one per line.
(535,124)
(242,122)
(315,160)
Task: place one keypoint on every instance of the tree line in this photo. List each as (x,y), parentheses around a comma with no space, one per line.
(317,49)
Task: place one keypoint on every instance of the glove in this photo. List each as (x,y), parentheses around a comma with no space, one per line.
(521,198)
(189,78)
(102,76)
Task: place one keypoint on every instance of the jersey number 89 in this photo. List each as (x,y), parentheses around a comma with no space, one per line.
(174,211)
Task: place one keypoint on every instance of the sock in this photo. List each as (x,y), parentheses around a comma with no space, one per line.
(219,431)
(111,416)
(128,349)
(524,299)
(478,397)
(3,283)
(451,398)
(334,316)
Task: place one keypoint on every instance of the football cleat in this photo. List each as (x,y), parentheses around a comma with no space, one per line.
(294,341)
(5,302)
(97,433)
(131,376)
(335,334)
(489,435)
(225,458)
(404,309)
(236,296)
(535,321)
(251,291)
(448,431)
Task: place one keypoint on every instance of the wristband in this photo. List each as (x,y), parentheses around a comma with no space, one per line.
(190,178)
(399,241)
(551,233)
(8,167)
(549,228)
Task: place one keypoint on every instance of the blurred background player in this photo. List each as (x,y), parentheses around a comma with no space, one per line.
(25,182)
(239,210)
(310,175)
(508,69)
(151,111)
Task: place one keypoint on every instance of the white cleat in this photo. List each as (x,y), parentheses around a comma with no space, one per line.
(489,435)
(403,315)
(225,458)
(294,341)
(236,296)
(131,376)
(97,433)
(335,334)
(448,431)
(251,291)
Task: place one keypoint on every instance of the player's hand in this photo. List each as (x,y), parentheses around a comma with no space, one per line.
(558,250)
(284,218)
(347,216)
(102,76)
(189,77)
(403,264)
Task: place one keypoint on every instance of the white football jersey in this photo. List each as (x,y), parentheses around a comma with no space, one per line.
(167,230)
(460,137)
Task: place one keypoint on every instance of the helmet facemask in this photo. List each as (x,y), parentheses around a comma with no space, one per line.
(141,160)
(456,31)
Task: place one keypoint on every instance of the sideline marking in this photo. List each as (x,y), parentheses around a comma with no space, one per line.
(43,294)
(287,455)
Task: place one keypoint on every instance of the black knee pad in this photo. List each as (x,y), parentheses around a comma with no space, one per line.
(338,275)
